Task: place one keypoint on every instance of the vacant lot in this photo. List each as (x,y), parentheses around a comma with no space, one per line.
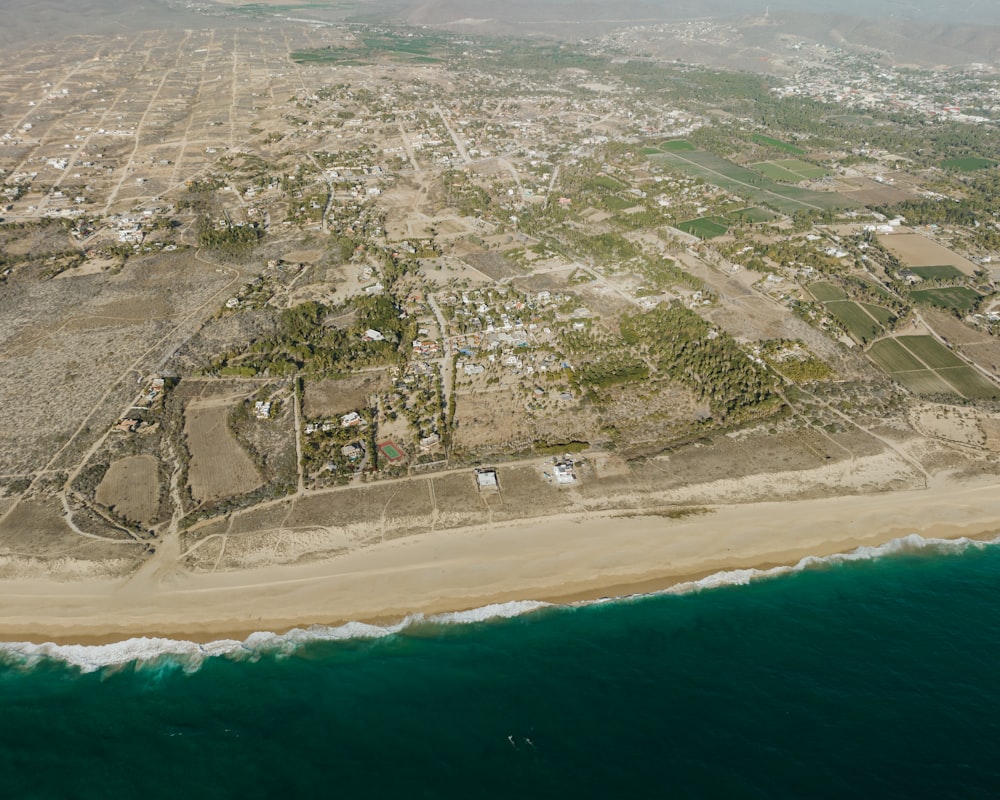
(219,466)
(916,250)
(330,398)
(130,488)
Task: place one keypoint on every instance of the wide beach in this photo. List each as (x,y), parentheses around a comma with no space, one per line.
(559,558)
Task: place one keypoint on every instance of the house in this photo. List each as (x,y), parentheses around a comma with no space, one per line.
(262,409)
(563,471)
(351,420)
(486,480)
(352,452)
(429,441)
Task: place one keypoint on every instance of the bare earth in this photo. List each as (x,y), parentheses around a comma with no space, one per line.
(131,487)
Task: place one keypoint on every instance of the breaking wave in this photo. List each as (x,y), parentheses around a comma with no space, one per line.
(145,652)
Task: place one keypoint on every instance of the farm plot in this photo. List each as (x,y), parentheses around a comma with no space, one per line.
(961,298)
(747,183)
(916,250)
(760,138)
(968,164)
(925,366)
(884,316)
(130,488)
(858,322)
(943,272)
(930,351)
(219,466)
(825,292)
(705,227)
(969,382)
(771,170)
(803,168)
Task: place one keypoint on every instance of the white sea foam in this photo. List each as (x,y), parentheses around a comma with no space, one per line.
(157,652)
(189,656)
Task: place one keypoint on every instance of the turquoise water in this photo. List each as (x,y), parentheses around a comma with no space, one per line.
(874,678)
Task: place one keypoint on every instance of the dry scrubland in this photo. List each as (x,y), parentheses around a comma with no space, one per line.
(131,488)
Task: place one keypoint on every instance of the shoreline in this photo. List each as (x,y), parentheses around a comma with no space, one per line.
(560,561)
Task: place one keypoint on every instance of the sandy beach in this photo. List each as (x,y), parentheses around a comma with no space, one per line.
(562,558)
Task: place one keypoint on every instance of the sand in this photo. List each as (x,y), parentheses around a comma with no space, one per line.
(558,558)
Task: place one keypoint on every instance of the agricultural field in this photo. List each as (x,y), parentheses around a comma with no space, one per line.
(790,170)
(943,272)
(968,164)
(131,489)
(705,227)
(916,250)
(927,367)
(749,184)
(858,322)
(219,466)
(759,138)
(960,298)
(825,292)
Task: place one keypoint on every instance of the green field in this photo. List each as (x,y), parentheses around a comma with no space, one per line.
(858,322)
(705,227)
(825,292)
(904,358)
(969,382)
(790,170)
(968,164)
(892,357)
(759,138)
(752,214)
(924,381)
(676,146)
(803,168)
(775,172)
(944,272)
(758,188)
(961,298)
(884,315)
(930,351)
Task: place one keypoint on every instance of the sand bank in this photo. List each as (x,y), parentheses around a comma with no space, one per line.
(561,558)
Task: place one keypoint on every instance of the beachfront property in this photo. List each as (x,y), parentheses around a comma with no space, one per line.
(486,480)
(564,472)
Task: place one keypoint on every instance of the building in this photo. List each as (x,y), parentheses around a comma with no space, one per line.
(486,480)
(564,472)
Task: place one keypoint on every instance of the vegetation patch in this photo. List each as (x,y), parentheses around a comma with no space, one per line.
(858,322)
(942,272)
(930,351)
(759,138)
(825,292)
(958,298)
(752,214)
(705,227)
(968,164)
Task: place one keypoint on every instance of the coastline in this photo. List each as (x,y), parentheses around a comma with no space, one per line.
(559,560)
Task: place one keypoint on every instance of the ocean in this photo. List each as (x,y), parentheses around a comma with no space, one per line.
(876,675)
